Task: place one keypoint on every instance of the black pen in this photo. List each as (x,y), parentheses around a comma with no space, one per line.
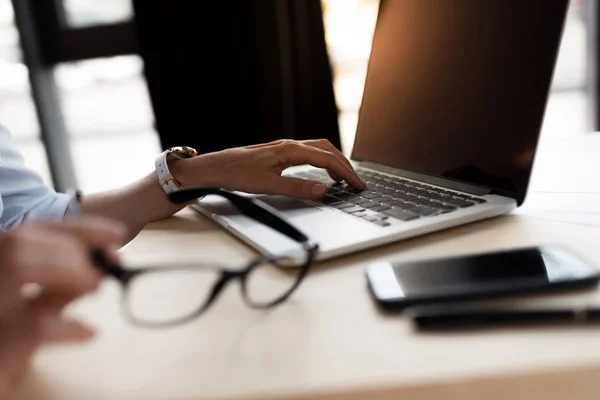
(432,319)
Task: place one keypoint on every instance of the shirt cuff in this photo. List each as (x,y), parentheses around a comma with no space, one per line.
(55,208)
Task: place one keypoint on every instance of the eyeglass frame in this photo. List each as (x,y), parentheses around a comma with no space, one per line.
(249,207)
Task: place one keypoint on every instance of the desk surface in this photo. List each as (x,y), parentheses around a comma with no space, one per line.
(329,341)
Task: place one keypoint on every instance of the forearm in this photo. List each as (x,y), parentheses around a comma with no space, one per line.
(135,205)
(145,201)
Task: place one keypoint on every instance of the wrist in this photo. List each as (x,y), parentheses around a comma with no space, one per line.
(193,172)
(180,170)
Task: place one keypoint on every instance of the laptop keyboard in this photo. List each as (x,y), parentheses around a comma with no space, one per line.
(390,198)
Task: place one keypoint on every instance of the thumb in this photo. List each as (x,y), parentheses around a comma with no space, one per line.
(56,329)
(294,187)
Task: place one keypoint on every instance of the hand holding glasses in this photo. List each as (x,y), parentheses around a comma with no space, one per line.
(171,295)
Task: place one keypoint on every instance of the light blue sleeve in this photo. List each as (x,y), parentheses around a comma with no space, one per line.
(23,195)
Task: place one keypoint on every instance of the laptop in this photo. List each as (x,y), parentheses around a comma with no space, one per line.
(452,109)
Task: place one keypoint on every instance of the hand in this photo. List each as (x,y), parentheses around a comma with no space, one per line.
(258,168)
(55,259)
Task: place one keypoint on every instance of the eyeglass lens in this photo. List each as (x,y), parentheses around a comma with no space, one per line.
(169,295)
(165,296)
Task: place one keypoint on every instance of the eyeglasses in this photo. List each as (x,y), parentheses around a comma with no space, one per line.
(171,295)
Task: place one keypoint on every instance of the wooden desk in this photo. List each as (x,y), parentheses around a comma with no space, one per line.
(329,341)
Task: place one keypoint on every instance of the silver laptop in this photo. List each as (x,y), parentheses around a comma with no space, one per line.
(452,109)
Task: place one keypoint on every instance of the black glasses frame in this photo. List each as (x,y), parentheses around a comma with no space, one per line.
(247,206)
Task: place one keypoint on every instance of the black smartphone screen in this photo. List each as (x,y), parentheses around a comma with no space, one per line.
(479,274)
(474,272)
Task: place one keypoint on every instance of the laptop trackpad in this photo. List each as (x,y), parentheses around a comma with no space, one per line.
(289,206)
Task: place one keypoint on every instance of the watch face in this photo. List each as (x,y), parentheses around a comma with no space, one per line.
(185,151)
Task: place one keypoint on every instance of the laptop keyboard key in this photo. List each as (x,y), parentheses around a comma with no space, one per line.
(329,200)
(478,200)
(399,204)
(388,190)
(354,209)
(461,196)
(359,201)
(424,211)
(381,223)
(381,199)
(380,216)
(343,195)
(354,190)
(380,208)
(369,195)
(445,207)
(459,202)
(370,205)
(402,215)
(342,205)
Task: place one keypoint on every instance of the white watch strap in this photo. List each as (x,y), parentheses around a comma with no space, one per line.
(165,179)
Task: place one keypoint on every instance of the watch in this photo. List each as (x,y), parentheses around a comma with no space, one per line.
(165,179)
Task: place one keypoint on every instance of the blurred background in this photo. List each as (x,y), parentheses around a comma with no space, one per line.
(349,29)
(108,116)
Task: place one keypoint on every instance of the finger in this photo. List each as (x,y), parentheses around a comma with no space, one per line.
(322,144)
(53,302)
(98,234)
(54,260)
(293,187)
(299,154)
(332,174)
(325,144)
(53,328)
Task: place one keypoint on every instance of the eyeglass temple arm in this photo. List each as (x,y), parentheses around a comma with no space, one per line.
(248,206)
(108,267)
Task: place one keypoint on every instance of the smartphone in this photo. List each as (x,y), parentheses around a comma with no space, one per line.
(478,276)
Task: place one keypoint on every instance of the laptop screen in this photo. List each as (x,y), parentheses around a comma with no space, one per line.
(458,88)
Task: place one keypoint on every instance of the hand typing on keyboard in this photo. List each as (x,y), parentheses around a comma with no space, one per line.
(258,168)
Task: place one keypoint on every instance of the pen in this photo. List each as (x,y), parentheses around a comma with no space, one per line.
(461,319)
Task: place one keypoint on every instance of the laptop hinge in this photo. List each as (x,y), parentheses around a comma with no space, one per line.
(434,180)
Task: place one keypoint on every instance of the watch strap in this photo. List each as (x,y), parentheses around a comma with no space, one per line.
(165,179)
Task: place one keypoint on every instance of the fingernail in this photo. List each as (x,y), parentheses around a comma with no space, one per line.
(319,189)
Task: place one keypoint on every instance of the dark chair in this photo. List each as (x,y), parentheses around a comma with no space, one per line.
(229,73)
